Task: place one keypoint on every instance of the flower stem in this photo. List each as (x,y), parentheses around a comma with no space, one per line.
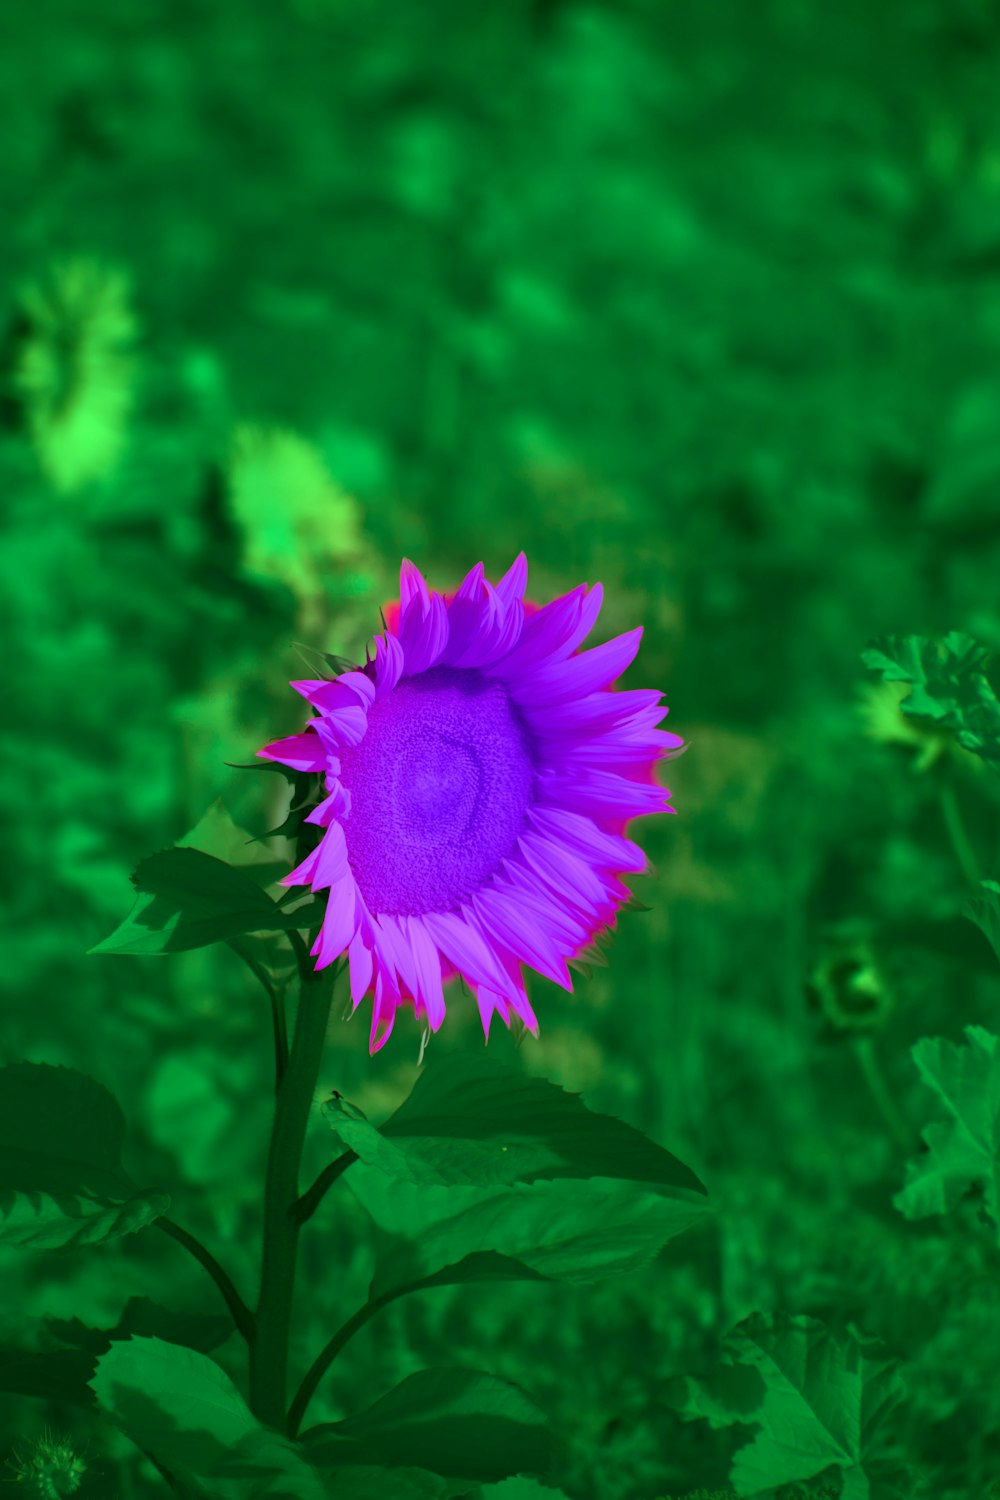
(269,1350)
(864,1051)
(960,842)
(326,1358)
(277,1001)
(241,1314)
(307,1205)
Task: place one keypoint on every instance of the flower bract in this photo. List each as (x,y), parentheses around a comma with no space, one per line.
(481,771)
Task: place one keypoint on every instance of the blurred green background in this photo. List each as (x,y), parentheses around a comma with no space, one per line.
(697,298)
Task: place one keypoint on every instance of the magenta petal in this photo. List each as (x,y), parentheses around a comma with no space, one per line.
(303,752)
(459,940)
(361,966)
(339,923)
(347,691)
(328,861)
(336,805)
(427,962)
(522,1005)
(342,728)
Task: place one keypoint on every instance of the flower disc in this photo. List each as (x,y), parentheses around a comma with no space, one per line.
(439,788)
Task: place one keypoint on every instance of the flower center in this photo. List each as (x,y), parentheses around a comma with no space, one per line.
(439,788)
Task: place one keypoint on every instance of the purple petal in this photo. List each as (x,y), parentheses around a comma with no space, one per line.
(542,633)
(514,582)
(581,833)
(581,674)
(411,584)
(509,918)
(423,634)
(601,794)
(565,873)
(389,662)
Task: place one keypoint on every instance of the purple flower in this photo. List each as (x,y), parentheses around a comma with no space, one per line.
(481,774)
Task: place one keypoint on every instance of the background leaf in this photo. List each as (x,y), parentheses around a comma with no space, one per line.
(62,1182)
(462,1424)
(820,1404)
(949,685)
(53,1375)
(963,1151)
(141,1315)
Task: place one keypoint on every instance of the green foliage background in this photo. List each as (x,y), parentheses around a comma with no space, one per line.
(700,300)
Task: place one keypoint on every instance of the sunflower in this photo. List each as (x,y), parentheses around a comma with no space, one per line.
(480,776)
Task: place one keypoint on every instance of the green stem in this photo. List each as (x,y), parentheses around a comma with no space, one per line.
(879,1090)
(269,1350)
(241,1314)
(279,1024)
(325,1359)
(312,1197)
(960,842)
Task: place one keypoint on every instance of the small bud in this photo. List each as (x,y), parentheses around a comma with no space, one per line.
(849,986)
(49,1468)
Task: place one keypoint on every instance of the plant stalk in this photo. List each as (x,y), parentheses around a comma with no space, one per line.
(312,1197)
(329,1353)
(241,1314)
(960,841)
(879,1090)
(269,1349)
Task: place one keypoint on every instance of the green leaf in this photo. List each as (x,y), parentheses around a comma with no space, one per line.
(950,687)
(457,1423)
(820,1403)
(188,899)
(218,835)
(61,1178)
(178,1406)
(563,1231)
(472,1121)
(963,1150)
(203,1331)
(40,1221)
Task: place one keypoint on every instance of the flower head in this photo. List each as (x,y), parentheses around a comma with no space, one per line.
(480,776)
